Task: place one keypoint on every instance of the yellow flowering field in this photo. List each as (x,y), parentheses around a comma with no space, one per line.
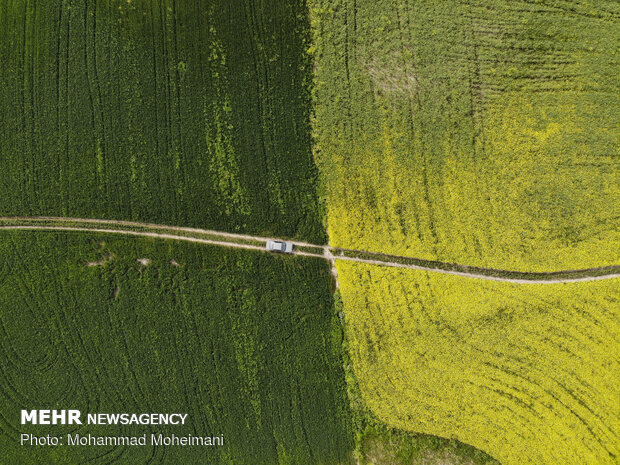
(527,373)
(483,133)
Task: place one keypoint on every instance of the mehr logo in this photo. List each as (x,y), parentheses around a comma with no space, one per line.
(51,417)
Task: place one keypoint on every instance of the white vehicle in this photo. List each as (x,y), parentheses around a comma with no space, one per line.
(280,246)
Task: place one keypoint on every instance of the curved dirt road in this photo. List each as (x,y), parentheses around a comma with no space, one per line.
(249,242)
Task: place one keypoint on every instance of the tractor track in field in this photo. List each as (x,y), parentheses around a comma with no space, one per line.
(325,252)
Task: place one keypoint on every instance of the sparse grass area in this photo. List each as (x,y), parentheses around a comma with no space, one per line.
(381,446)
(245,343)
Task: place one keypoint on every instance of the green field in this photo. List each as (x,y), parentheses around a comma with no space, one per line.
(247,344)
(483,133)
(190,113)
(180,113)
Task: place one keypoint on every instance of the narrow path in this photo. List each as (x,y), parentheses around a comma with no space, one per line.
(331,254)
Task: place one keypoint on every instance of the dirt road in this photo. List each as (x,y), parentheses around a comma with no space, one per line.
(331,254)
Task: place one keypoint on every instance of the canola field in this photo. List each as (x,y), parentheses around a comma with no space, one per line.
(245,343)
(183,113)
(527,373)
(480,132)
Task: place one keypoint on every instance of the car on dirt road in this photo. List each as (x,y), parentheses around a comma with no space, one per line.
(280,246)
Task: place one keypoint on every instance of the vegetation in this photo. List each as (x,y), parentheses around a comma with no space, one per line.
(195,114)
(246,343)
(522,371)
(481,133)
(378,444)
